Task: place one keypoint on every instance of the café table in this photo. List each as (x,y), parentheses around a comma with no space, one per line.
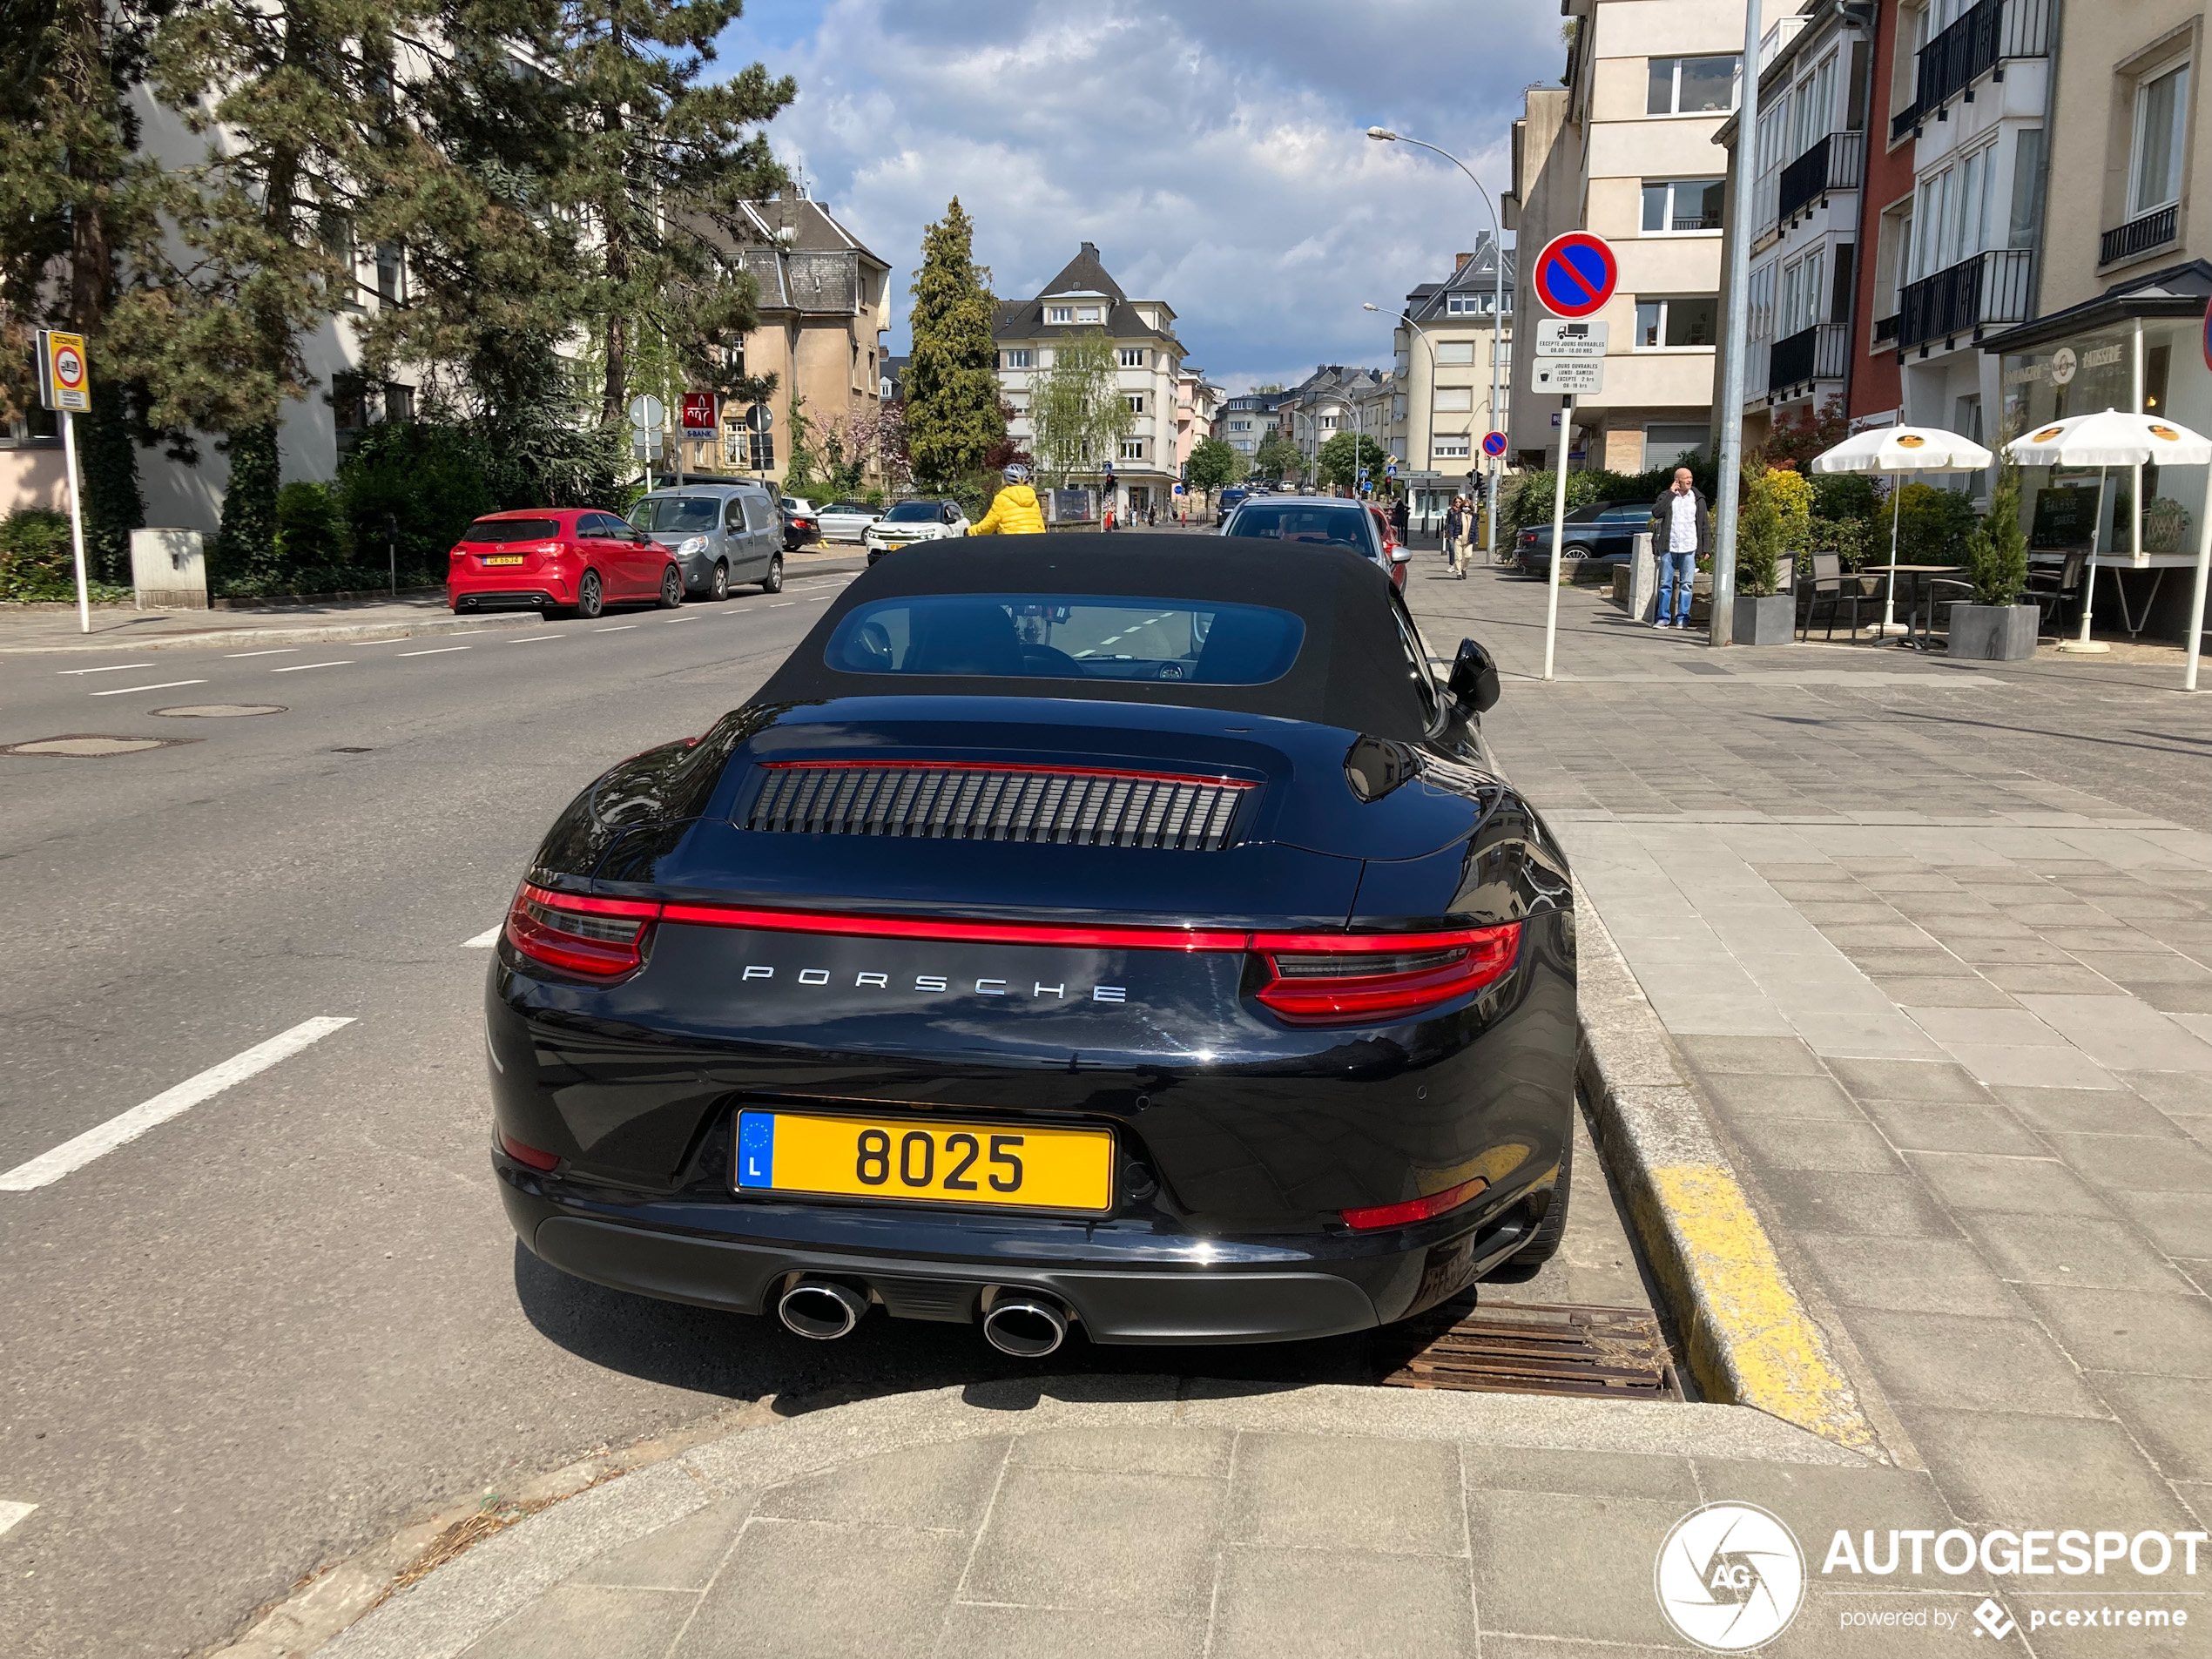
(1915,578)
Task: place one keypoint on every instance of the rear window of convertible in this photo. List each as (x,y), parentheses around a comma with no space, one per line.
(497,532)
(1063,637)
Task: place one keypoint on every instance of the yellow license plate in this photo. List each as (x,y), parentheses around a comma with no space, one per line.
(503,559)
(925,1162)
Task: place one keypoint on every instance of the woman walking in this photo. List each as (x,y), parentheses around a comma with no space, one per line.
(1455,526)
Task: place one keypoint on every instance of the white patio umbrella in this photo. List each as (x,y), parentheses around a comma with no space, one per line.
(1901,449)
(2122,438)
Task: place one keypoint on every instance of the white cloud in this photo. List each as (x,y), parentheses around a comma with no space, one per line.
(1216,153)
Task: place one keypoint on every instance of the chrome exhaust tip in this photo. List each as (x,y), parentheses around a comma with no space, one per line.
(1027,1327)
(820,1309)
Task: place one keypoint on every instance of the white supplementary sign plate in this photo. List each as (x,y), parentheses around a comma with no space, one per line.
(1558,338)
(1570,378)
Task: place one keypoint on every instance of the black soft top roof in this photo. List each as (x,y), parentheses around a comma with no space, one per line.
(1351,670)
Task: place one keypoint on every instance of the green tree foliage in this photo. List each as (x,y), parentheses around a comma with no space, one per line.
(1276,457)
(1213,462)
(1997,550)
(311,527)
(1077,411)
(1932,524)
(1845,495)
(246,548)
(430,478)
(954,411)
(1338,469)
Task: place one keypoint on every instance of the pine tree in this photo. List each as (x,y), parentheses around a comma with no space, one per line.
(953,411)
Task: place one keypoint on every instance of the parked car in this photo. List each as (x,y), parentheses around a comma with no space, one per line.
(1009,807)
(848,521)
(914,520)
(1594,537)
(1328,520)
(717,533)
(801,523)
(569,561)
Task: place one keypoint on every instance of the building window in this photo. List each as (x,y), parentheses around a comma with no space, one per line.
(1087,313)
(2161,113)
(1664,444)
(1327,423)
(1953,220)
(1672,205)
(1240,426)
(1470,305)
(1136,401)
(1453,400)
(1060,313)
(1242,445)
(1812,108)
(1132,448)
(391,273)
(1454,351)
(1683,319)
(1692,85)
(1799,307)
(1015,360)
(1132,356)
(1457,449)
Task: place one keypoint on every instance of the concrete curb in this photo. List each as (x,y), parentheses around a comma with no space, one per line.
(456,1605)
(1751,1340)
(321,634)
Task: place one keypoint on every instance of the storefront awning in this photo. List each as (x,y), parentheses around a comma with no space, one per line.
(2178,291)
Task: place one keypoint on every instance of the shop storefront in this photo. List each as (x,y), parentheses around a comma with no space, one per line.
(2145,346)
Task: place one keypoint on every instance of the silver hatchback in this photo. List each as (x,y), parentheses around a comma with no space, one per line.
(717,534)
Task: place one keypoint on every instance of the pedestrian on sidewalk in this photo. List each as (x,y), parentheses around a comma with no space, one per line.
(1455,527)
(1397,520)
(1681,531)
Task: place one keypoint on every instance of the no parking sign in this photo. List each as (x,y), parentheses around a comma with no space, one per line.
(1494,444)
(1575,274)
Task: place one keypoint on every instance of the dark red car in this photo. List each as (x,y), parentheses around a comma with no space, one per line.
(569,561)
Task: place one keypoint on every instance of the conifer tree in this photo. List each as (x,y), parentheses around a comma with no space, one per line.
(953,411)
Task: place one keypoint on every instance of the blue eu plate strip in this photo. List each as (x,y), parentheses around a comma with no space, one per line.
(756,1149)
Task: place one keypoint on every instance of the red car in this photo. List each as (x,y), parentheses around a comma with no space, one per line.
(568,561)
(1399,558)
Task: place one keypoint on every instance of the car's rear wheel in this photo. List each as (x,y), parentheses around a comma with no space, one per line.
(1543,1243)
(773,581)
(590,599)
(671,587)
(719,584)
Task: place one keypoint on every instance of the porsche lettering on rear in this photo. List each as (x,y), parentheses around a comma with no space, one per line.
(932,983)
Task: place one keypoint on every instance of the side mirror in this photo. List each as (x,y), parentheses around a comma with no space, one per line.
(1401,555)
(1475,677)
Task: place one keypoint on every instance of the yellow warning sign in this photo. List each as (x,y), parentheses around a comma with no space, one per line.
(65,382)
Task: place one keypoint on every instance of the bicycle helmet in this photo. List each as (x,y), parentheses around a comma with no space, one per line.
(1017,473)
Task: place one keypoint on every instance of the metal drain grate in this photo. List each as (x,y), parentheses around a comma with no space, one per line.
(1501,1348)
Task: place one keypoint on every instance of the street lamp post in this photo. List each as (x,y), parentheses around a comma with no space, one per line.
(1384,135)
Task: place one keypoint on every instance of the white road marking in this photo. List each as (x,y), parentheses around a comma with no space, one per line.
(620,627)
(484,940)
(540,638)
(439,652)
(301,668)
(120,1130)
(12,1512)
(690,618)
(108,668)
(780,603)
(126,690)
(281,651)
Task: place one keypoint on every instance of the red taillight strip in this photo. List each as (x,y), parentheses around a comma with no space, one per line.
(1413,1210)
(1008,933)
(1016,766)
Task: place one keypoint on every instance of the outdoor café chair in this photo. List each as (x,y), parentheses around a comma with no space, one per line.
(1827,585)
(2051,587)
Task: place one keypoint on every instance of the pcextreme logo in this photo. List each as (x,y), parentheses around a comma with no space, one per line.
(1729,1577)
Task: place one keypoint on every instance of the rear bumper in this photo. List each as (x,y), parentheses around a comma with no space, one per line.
(1115,1303)
(509,591)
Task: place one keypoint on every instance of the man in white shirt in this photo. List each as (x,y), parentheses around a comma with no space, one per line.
(1680,531)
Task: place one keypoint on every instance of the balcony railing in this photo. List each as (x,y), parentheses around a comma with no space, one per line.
(2140,235)
(1971,48)
(1988,287)
(1814,354)
(1833,164)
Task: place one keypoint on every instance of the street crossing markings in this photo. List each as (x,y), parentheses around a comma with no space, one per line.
(301,668)
(280,651)
(120,1130)
(126,690)
(485,940)
(439,652)
(11,1512)
(106,668)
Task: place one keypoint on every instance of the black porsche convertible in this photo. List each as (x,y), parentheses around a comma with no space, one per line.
(1122,933)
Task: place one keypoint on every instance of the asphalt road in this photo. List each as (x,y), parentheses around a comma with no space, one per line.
(278,1327)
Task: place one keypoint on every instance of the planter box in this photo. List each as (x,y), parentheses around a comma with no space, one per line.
(1993,633)
(1770,621)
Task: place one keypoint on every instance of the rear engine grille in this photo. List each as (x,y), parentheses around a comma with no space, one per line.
(980,803)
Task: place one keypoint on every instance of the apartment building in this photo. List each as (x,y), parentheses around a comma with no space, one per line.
(1448,341)
(1333,399)
(1243,421)
(1148,363)
(1628,154)
(1197,402)
(2123,280)
(1802,212)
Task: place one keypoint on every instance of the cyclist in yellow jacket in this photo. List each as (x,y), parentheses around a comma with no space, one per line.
(1013,510)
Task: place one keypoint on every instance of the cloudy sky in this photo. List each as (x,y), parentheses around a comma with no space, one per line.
(1216,150)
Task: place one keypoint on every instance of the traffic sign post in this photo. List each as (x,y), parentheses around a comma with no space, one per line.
(65,386)
(1575,276)
(1493,445)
